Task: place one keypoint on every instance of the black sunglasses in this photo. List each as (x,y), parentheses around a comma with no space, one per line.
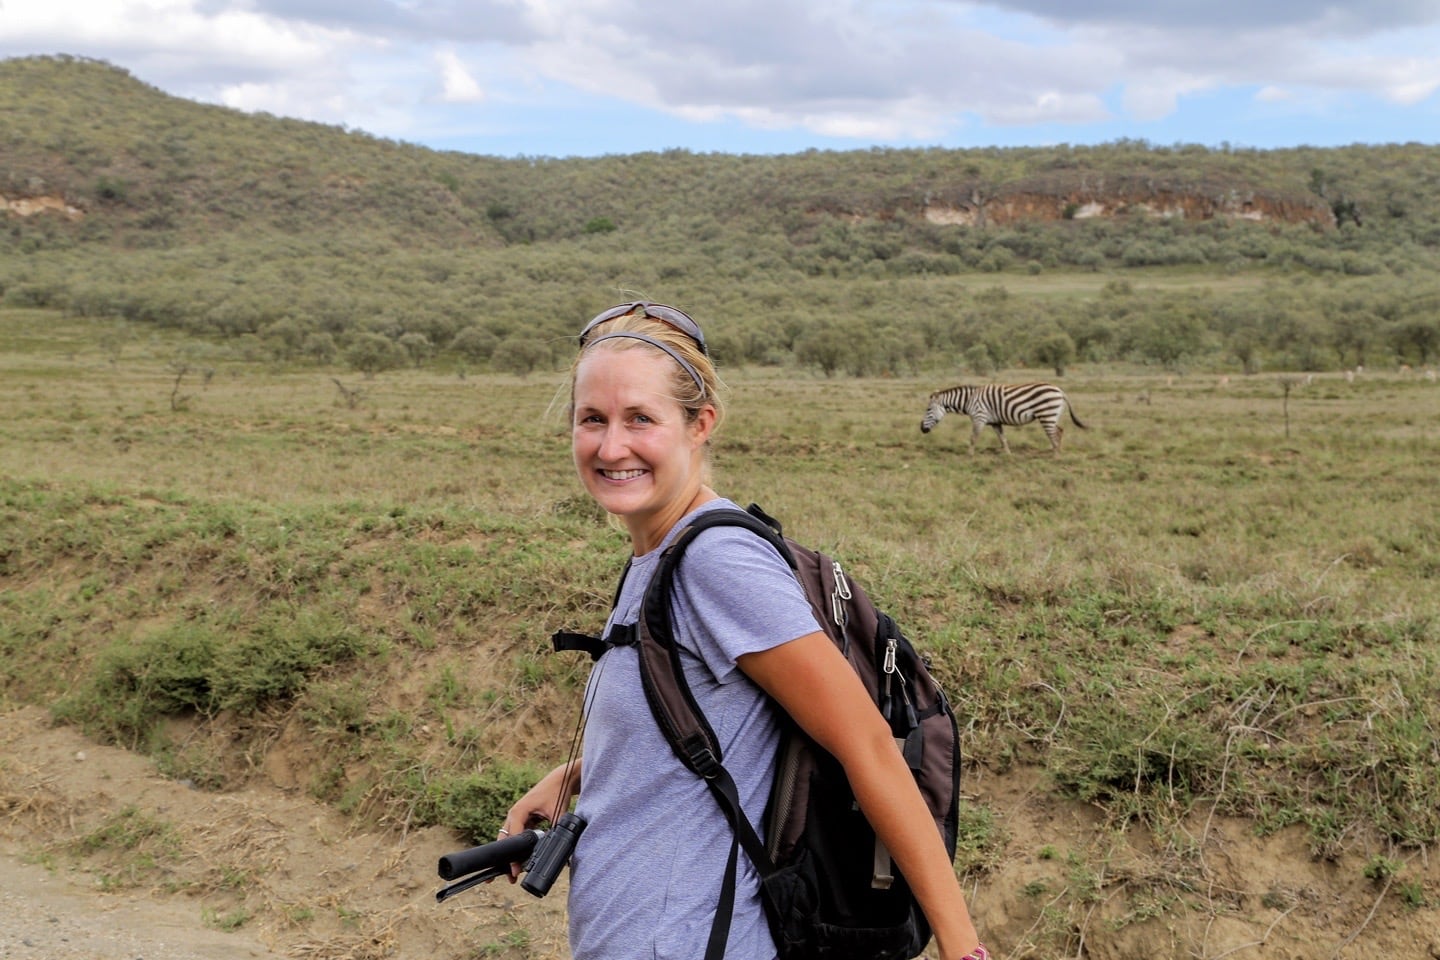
(678,319)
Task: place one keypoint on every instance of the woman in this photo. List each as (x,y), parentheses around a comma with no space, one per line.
(645,873)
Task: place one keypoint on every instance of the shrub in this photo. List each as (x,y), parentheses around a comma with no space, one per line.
(372,353)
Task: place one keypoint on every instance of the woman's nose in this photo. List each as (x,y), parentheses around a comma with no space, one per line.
(613,445)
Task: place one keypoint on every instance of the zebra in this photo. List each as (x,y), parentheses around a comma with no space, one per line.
(997,404)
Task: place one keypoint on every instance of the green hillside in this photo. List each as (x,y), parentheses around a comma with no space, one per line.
(292,240)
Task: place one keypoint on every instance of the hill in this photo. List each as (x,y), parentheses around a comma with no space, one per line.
(113,148)
(291,239)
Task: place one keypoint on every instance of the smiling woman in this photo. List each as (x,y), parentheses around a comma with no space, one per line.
(644,407)
(642,417)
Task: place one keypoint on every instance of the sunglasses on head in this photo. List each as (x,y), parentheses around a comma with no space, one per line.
(678,319)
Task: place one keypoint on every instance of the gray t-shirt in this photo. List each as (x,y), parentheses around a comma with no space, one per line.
(645,877)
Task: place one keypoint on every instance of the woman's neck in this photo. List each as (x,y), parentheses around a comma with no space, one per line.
(647,533)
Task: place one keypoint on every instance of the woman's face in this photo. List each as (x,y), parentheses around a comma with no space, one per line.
(635,452)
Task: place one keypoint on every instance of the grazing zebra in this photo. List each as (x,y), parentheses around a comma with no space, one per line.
(998,404)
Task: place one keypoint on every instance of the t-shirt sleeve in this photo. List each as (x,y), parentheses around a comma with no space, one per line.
(735,594)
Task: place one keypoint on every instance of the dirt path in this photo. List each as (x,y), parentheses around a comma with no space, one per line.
(45,915)
(102,858)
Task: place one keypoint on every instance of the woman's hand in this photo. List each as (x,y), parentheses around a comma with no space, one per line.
(549,798)
(979,953)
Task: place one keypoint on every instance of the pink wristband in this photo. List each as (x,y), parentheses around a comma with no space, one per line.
(979,953)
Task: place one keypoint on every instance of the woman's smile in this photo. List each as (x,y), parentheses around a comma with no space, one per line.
(622,474)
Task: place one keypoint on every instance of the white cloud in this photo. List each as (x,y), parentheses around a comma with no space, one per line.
(1409,81)
(457,85)
(1051,106)
(175,32)
(863,70)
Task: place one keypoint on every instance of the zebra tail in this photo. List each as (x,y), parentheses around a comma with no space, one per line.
(1074,419)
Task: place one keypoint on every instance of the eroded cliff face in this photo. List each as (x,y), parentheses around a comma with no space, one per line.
(1006,207)
(1091,196)
(30,206)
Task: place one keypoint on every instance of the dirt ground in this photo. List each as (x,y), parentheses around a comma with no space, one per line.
(266,874)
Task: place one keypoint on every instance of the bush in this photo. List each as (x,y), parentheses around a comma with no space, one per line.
(475,344)
(520,354)
(1056,351)
(475,804)
(372,353)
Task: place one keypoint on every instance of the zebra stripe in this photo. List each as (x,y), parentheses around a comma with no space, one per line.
(1003,404)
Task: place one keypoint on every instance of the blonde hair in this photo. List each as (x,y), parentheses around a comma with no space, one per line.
(692,393)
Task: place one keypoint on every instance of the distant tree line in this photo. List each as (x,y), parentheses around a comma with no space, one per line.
(836,326)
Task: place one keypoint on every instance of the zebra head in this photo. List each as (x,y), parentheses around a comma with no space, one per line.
(933,413)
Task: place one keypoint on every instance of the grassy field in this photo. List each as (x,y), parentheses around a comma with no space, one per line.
(1222,595)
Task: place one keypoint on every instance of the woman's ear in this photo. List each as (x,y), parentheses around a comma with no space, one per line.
(703,425)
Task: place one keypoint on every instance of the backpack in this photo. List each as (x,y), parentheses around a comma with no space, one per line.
(827,885)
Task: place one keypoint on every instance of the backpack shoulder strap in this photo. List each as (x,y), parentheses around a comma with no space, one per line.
(674,706)
(678,714)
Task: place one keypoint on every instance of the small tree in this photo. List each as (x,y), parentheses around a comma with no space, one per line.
(1167,336)
(475,344)
(1245,347)
(901,351)
(825,347)
(1418,337)
(978,359)
(372,353)
(1055,351)
(519,354)
(351,396)
(284,337)
(1288,383)
(178,401)
(319,347)
(418,346)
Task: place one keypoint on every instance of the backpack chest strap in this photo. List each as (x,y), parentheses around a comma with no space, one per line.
(620,636)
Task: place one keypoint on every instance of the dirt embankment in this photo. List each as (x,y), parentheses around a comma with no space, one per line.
(1159,202)
(30,206)
(263,874)
(101,856)
(1087,196)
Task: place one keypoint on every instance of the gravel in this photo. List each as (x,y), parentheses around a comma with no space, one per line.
(45,916)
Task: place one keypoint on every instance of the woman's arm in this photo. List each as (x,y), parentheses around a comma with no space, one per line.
(818,688)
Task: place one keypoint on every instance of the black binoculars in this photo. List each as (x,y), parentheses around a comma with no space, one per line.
(544,853)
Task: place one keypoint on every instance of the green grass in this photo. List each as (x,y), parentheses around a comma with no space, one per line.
(1189,610)
(136,848)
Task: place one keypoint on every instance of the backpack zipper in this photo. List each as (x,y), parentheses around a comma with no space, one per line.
(839,595)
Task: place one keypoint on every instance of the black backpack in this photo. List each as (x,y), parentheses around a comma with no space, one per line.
(827,883)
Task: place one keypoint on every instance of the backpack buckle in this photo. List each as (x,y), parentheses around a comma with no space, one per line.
(700,758)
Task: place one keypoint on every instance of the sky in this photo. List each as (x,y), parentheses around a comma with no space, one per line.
(561,78)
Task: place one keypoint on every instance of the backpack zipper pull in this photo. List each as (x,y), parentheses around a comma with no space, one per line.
(888,671)
(839,595)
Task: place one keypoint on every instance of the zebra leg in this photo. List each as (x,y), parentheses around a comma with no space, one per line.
(1000,432)
(976,426)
